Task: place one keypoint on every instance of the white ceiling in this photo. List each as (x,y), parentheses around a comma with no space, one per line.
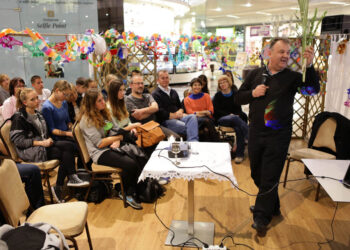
(233,12)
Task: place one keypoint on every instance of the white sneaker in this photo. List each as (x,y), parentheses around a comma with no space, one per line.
(74,181)
(239,160)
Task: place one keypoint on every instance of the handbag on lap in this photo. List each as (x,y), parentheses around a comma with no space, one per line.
(149,134)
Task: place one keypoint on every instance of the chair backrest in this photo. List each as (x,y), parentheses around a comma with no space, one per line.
(325,135)
(13,198)
(79,138)
(5,137)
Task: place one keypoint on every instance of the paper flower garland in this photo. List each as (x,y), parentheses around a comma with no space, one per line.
(9,42)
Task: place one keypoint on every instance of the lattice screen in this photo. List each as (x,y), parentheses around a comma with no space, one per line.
(307,107)
(138,58)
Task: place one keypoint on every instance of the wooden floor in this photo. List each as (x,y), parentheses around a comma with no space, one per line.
(303,223)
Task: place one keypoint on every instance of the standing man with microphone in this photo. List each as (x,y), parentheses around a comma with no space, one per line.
(270,92)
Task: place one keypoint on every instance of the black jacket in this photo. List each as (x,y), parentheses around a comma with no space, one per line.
(341,136)
(280,95)
(24,132)
(167,104)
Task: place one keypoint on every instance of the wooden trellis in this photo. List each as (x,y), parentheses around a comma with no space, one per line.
(138,58)
(307,107)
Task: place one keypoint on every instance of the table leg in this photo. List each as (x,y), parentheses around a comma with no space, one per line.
(190,207)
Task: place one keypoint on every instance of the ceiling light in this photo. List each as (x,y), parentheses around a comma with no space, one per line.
(218,9)
(263,13)
(233,16)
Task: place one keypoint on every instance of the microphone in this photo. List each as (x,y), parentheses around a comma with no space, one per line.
(264,78)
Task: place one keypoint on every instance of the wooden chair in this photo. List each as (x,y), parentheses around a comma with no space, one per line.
(227,134)
(45,166)
(324,139)
(70,218)
(95,169)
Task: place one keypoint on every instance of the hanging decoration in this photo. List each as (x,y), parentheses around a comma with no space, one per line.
(36,52)
(342,46)
(9,42)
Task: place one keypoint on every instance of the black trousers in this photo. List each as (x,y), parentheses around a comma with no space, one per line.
(267,154)
(132,168)
(64,151)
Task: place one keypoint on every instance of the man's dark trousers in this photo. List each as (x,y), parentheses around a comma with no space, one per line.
(267,154)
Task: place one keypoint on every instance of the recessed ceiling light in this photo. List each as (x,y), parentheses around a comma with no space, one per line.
(263,13)
(233,16)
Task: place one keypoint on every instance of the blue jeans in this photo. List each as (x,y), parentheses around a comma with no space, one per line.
(31,176)
(241,129)
(186,125)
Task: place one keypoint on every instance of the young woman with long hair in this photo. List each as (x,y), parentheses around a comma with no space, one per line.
(104,144)
(116,105)
(29,134)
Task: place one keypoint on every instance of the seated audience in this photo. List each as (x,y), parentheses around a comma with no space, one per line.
(73,109)
(56,114)
(30,136)
(4,88)
(228,114)
(91,84)
(204,80)
(135,72)
(9,105)
(200,104)
(81,87)
(116,105)
(141,106)
(106,147)
(170,113)
(38,86)
(230,75)
(205,89)
(108,79)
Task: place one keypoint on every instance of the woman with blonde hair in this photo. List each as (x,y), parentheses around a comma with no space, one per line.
(55,111)
(104,143)
(228,113)
(30,136)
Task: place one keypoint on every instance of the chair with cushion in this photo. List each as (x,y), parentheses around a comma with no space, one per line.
(70,218)
(324,139)
(95,170)
(45,166)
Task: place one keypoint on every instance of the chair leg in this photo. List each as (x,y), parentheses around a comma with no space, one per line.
(75,245)
(123,192)
(88,191)
(47,178)
(88,236)
(286,174)
(317,191)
